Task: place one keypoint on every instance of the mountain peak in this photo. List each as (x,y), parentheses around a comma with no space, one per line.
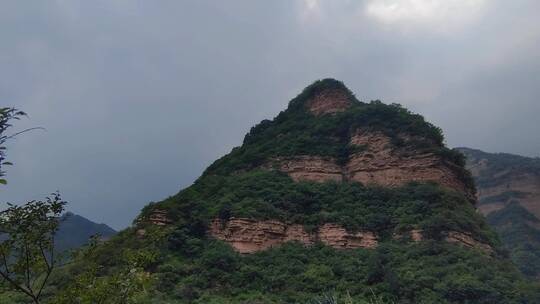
(75,231)
(339,200)
(326,96)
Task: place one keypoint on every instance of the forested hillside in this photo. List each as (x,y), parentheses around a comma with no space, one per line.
(509,196)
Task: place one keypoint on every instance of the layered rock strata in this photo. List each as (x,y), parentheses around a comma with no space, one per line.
(467,240)
(328,102)
(249,236)
(309,168)
(159,218)
(501,181)
(455,237)
(380,162)
(376,162)
(515,186)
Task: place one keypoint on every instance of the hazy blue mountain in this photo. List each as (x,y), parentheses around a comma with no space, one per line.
(75,231)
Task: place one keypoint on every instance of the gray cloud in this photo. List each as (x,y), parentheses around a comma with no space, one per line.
(138,97)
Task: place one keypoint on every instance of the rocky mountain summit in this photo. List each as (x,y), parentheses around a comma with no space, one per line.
(370,156)
(333,194)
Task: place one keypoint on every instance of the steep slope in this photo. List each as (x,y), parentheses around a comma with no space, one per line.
(333,195)
(75,231)
(509,195)
(502,178)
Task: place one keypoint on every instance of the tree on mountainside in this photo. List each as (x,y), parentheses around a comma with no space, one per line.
(6,116)
(27,232)
(27,253)
(127,284)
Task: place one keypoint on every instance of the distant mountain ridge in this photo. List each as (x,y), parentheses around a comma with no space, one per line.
(509,196)
(502,178)
(75,231)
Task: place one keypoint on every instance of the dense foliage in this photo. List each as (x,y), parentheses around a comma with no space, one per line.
(295,131)
(261,194)
(518,231)
(200,270)
(428,272)
(196,269)
(181,263)
(27,252)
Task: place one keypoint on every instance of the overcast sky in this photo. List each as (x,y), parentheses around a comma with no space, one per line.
(138,97)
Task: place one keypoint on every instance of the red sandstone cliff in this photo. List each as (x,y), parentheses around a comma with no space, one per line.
(378,162)
(248,236)
(328,102)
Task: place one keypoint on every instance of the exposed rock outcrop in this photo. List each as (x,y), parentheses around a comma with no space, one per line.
(377,162)
(159,218)
(249,236)
(467,240)
(309,168)
(329,101)
(455,237)
(336,236)
(380,162)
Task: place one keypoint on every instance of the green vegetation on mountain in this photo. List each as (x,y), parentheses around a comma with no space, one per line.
(262,194)
(195,268)
(518,230)
(180,262)
(27,248)
(295,131)
(75,231)
(509,183)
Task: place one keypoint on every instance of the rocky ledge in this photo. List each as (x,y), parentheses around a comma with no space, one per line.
(249,236)
(377,162)
(329,101)
(455,237)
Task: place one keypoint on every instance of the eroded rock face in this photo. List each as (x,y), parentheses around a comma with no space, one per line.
(377,162)
(416,235)
(467,240)
(336,236)
(329,101)
(460,238)
(159,218)
(525,189)
(249,236)
(381,163)
(310,168)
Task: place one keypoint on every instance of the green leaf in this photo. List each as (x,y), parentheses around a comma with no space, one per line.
(3,181)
